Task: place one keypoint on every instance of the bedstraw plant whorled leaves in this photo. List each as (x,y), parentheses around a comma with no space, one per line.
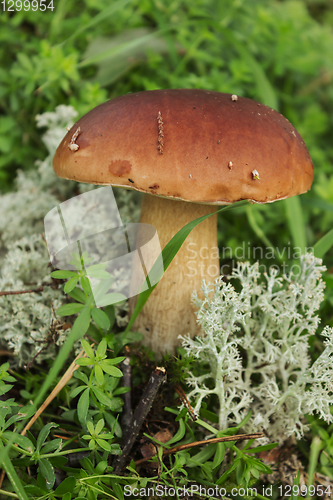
(84,295)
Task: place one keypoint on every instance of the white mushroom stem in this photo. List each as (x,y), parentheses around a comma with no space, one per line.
(169,312)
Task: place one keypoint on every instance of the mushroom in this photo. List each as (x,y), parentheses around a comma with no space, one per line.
(187,151)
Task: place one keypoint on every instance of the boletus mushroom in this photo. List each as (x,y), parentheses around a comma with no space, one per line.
(187,151)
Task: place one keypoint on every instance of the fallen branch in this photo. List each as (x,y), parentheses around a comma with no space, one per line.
(64,379)
(156,379)
(18,292)
(182,447)
(32,290)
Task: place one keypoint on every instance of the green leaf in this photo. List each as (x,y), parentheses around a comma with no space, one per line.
(81,324)
(219,454)
(102,397)
(78,295)
(264,447)
(228,472)
(125,47)
(265,89)
(13,478)
(101,16)
(110,311)
(101,289)
(22,441)
(75,392)
(115,361)
(103,444)
(33,491)
(90,427)
(81,376)
(295,222)
(296,481)
(101,466)
(69,309)
(121,390)
(55,444)
(98,271)
(71,284)
(101,349)
(85,283)
(82,406)
(42,436)
(87,348)
(111,298)
(99,375)
(47,471)
(84,361)
(101,319)
(61,275)
(232,430)
(67,485)
(323,245)
(179,434)
(99,426)
(111,370)
(203,456)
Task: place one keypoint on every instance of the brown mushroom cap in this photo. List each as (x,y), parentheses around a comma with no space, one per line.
(193,145)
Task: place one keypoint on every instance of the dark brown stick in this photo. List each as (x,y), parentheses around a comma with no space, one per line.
(18,292)
(33,290)
(157,378)
(240,437)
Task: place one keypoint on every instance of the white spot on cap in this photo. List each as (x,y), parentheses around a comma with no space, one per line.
(255,174)
(234,97)
(230,165)
(72,146)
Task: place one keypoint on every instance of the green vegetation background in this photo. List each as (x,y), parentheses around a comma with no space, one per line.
(85,52)
(277,52)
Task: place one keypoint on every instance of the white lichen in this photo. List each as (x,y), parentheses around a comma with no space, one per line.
(24,260)
(255,350)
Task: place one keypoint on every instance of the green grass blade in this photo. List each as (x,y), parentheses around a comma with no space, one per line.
(98,18)
(315,449)
(125,47)
(323,245)
(168,254)
(250,212)
(295,222)
(13,477)
(265,89)
(294,496)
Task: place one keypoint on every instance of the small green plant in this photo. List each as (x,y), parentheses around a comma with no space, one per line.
(98,386)
(84,296)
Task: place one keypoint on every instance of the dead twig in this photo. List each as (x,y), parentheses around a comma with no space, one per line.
(185,402)
(32,290)
(65,378)
(157,378)
(182,447)
(18,292)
